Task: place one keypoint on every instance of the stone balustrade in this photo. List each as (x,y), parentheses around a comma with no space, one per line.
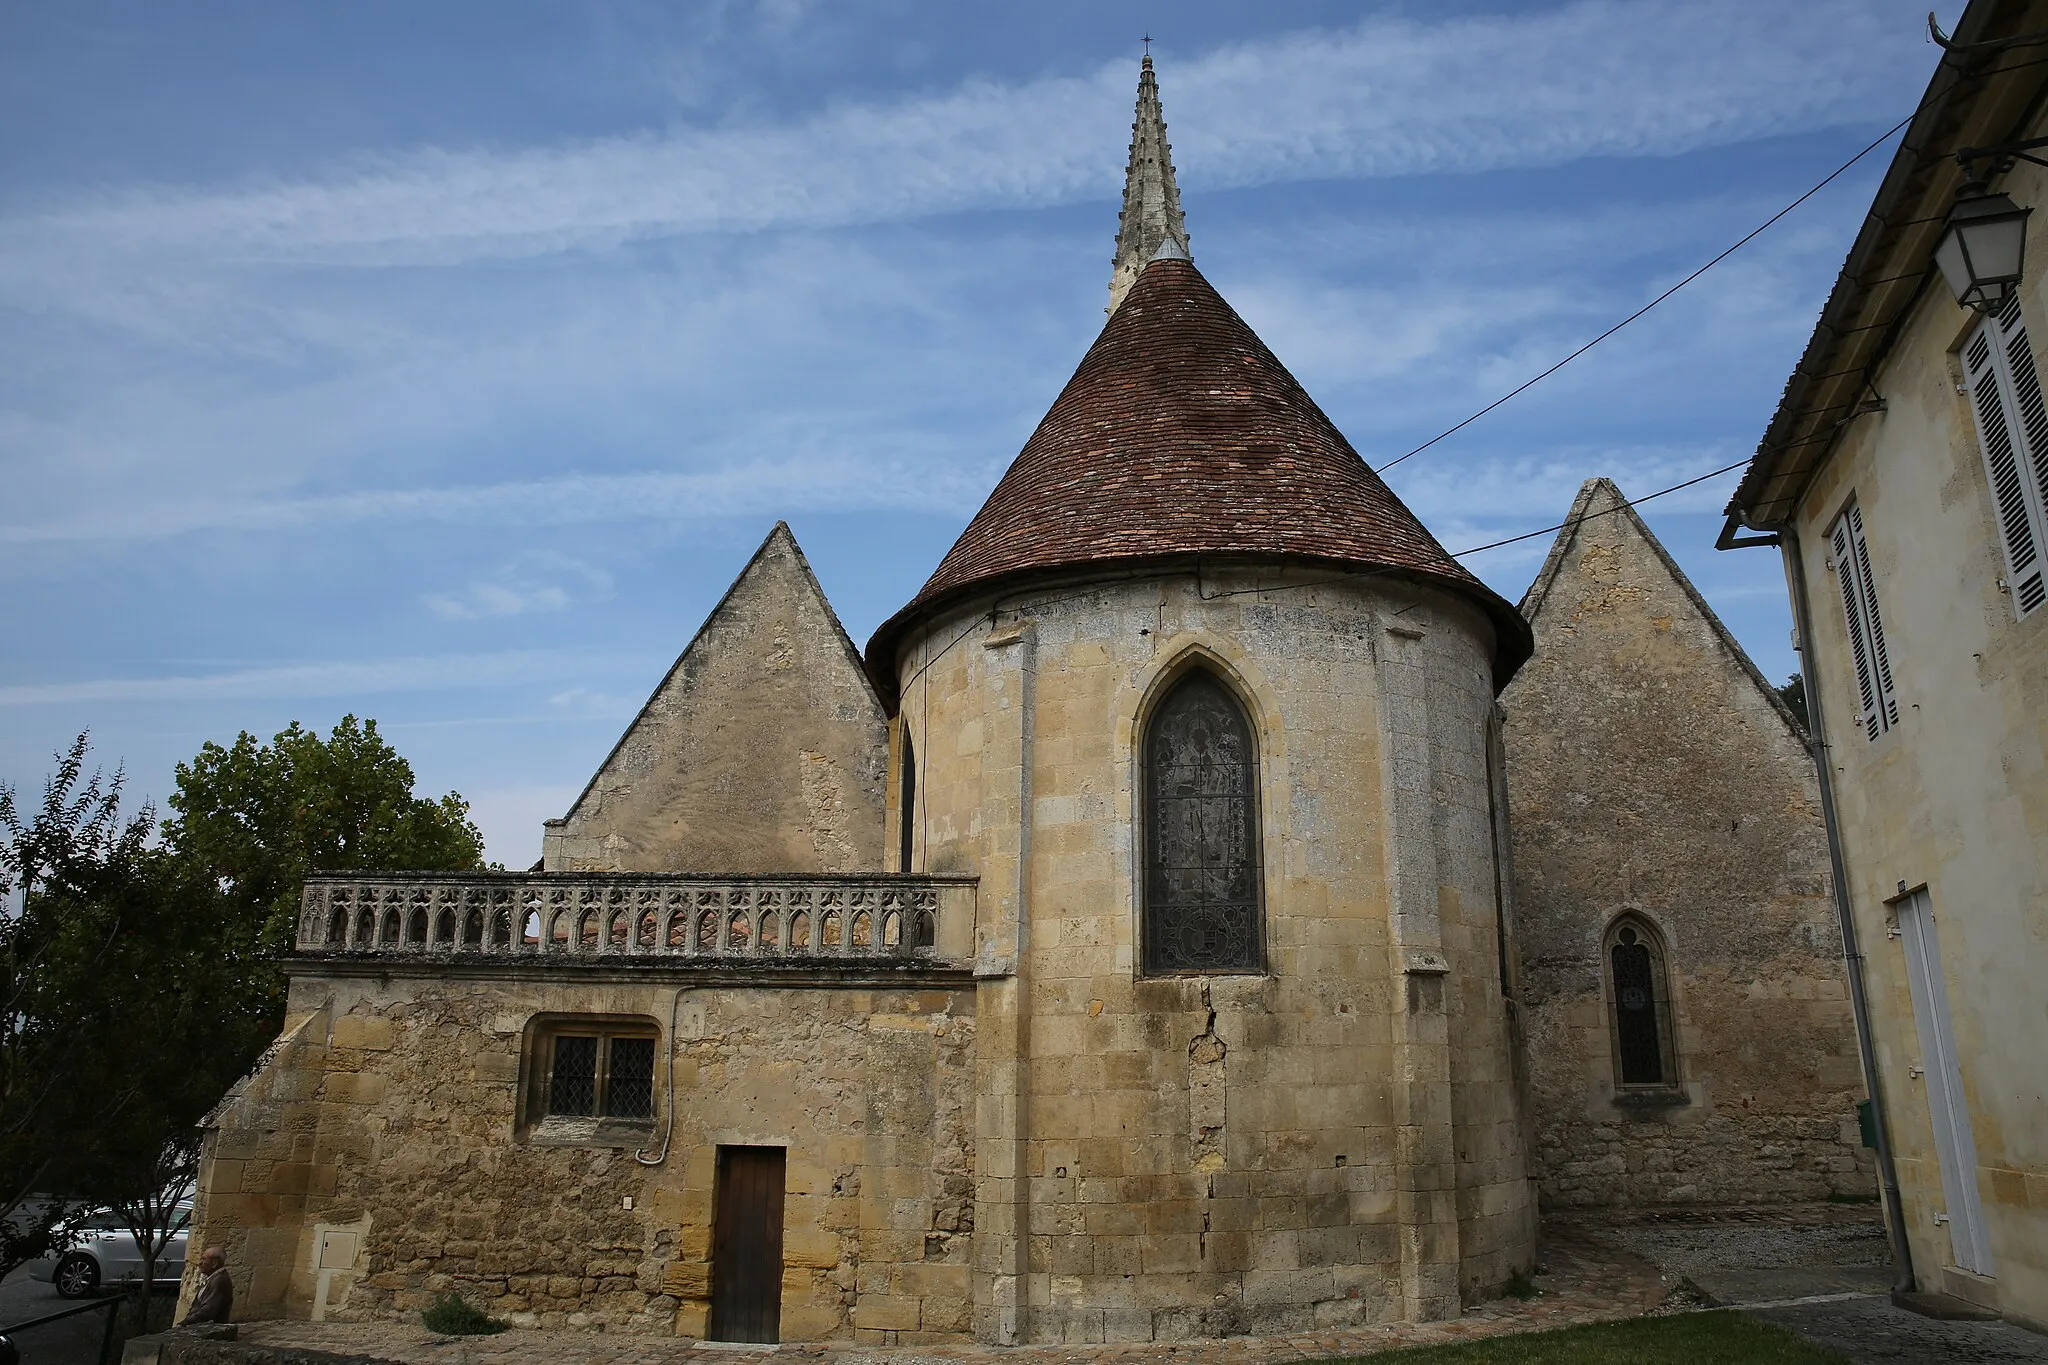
(780,919)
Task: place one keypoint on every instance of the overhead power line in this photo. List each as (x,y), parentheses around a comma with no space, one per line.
(1626,502)
(1758,231)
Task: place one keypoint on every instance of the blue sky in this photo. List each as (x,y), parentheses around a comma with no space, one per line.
(443,362)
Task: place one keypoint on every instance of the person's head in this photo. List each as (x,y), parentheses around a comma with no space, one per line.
(212,1259)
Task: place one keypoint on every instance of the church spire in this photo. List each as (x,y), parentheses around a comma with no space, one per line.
(1151,216)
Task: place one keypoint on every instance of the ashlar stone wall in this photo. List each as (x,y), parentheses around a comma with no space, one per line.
(761,751)
(1333,1140)
(1652,771)
(378,1157)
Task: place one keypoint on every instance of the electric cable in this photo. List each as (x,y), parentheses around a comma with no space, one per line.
(1626,502)
(987,617)
(1490,545)
(1752,236)
(996,608)
(1754,233)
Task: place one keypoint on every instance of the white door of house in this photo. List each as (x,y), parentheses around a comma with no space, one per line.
(1954,1148)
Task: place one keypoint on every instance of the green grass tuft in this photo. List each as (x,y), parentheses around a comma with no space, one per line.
(454,1316)
(1520,1286)
(1720,1338)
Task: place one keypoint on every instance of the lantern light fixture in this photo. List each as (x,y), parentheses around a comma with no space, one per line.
(1982,252)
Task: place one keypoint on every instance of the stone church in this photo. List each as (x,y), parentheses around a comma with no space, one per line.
(1162,931)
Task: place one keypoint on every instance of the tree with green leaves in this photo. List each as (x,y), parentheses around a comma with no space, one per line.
(1793,694)
(72,850)
(262,817)
(135,999)
(197,1009)
(140,976)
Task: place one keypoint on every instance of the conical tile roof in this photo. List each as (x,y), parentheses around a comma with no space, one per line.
(1182,436)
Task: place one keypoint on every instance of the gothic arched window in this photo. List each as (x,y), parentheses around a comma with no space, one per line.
(1643,1053)
(1201,833)
(907,804)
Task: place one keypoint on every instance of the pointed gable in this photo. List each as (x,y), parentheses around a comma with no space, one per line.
(1653,774)
(1180,435)
(762,750)
(1606,562)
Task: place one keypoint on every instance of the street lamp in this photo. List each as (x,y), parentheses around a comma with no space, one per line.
(1983,249)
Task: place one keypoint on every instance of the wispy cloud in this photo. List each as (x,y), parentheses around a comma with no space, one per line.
(540,580)
(1386,97)
(337,678)
(586,703)
(1483,494)
(396,364)
(778,487)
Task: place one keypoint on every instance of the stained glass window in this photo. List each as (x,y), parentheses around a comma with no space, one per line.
(1642,1032)
(1201,833)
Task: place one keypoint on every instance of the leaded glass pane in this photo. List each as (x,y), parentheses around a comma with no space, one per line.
(1635,1012)
(573,1089)
(1201,833)
(629,1091)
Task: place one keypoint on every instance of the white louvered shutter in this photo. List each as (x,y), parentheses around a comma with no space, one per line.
(2012,430)
(1850,557)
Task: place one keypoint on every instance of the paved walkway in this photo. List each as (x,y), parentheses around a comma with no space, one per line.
(1823,1271)
(1584,1281)
(1820,1270)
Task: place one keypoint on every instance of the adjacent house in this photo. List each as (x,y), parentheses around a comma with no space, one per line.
(1903,478)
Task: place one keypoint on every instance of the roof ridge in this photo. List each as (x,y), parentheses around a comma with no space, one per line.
(778,535)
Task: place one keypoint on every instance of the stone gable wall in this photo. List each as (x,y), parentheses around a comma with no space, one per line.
(415,1179)
(762,751)
(1649,771)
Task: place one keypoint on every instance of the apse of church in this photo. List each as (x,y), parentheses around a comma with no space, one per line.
(1117,956)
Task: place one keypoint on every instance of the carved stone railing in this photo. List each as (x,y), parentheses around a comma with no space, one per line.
(781,919)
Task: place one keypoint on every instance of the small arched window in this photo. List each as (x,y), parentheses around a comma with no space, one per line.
(907,802)
(1201,833)
(1643,1053)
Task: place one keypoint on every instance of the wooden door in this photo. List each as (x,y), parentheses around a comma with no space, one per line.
(746,1245)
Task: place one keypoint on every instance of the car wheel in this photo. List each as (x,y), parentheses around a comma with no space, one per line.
(77,1275)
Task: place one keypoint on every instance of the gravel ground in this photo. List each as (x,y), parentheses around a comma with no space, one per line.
(1758,1259)
(1872,1332)
(1737,1262)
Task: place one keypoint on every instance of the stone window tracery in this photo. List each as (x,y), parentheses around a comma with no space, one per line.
(1640,1006)
(1201,885)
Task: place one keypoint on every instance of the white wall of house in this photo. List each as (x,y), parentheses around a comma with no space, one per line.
(1953,796)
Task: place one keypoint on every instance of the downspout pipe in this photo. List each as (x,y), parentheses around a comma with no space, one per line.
(1852,951)
(675,1012)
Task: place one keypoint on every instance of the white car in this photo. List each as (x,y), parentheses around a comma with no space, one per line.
(107,1253)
